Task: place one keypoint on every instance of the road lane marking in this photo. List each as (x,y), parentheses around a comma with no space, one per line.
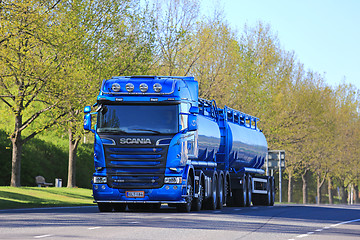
(43,236)
(302,235)
(92,228)
(326,227)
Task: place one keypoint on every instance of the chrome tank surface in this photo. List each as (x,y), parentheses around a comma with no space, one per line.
(208,138)
(247,147)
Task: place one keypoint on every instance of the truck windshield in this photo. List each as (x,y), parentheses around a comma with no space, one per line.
(139,119)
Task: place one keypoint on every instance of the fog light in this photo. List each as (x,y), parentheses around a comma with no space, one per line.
(96,187)
(173,180)
(167,187)
(103,187)
(175,187)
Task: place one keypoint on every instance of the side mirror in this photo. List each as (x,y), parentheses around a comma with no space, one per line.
(87,122)
(192,122)
(87,109)
(194,110)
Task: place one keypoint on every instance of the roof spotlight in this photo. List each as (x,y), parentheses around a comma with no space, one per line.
(157,87)
(129,87)
(144,87)
(115,87)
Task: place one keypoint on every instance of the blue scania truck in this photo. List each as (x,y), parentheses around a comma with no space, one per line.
(156,142)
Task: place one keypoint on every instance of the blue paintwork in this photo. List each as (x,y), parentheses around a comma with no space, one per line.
(218,143)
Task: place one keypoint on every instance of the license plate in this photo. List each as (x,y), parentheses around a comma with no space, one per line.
(135,194)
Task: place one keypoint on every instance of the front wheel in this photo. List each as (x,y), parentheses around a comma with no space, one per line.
(186,207)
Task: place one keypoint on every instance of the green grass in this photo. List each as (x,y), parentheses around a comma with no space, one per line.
(30,197)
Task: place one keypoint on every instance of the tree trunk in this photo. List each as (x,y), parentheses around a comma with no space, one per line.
(331,197)
(73,144)
(318,190)
(290,189)
(343,195)
(304,187)
(356,193)
(16,153)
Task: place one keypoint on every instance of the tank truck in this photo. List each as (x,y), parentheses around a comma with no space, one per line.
(156,142)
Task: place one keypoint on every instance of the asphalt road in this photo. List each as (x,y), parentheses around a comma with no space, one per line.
(278,222)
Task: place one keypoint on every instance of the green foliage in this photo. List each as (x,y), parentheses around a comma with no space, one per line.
(46,157)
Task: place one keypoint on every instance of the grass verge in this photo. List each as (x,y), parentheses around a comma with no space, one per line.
(30,197)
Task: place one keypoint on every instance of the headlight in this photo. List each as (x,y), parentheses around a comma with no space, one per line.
(100,179)
(173,180)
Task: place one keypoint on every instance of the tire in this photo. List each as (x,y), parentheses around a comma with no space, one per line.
(220,193)
(105,207)
(268,196)
(119,207)
(198,202)
(211,202)
(249,190)
(227,192)
(186,207)
(272,182)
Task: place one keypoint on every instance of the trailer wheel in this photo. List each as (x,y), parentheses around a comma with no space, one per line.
(211,202)
(267,198)
(220,193)
(105,207)
(239,196)
(186,207)
(249,190)
(198,202)
(272,182)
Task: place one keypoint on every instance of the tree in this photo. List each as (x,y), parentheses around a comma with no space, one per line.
(30,57)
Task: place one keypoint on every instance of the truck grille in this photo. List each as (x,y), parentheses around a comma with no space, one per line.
(135,166)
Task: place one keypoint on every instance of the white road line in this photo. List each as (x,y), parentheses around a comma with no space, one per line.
(327,227)
(134,222)
(43,236)
(302,235)
(92,228)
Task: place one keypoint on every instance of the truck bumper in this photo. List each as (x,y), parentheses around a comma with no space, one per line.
(169,193)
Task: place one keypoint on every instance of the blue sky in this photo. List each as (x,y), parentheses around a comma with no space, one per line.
(324,34)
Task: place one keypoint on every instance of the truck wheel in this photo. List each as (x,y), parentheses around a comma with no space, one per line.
(105,207)
(211,202)
(220,193)
(272,183)
(186,207)
(198,202)
(227,193)
(249,190)
(267,198)
(119,207)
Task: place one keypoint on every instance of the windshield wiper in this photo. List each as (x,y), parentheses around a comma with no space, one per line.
(146,130)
